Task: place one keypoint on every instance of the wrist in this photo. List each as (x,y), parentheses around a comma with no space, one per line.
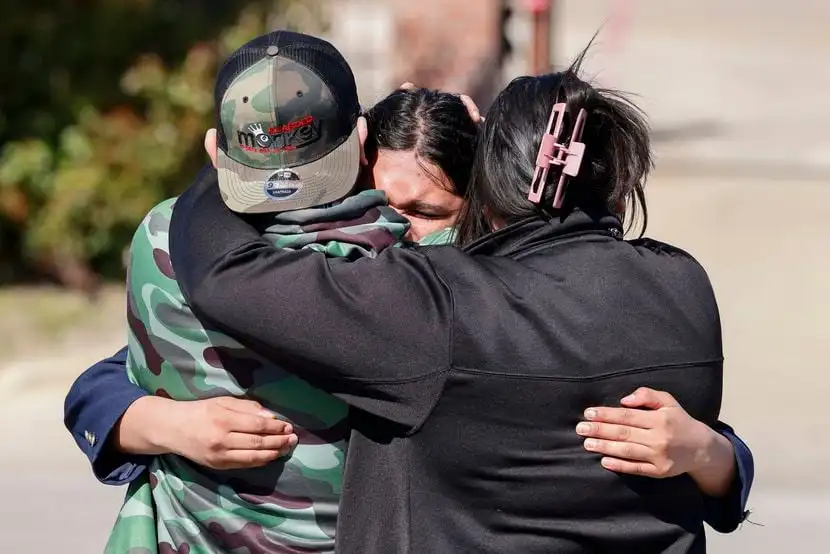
(144,428)
(715,471)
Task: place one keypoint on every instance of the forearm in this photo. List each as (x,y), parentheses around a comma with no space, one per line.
(725,513)
(717,471)
(142,428)
(313,314)
(323,319)
(94,406)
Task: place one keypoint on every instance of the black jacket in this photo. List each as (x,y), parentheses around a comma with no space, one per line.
(468,371)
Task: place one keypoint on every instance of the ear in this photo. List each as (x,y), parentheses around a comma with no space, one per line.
(211,147)
(620,208)
(496,223)
(363,133)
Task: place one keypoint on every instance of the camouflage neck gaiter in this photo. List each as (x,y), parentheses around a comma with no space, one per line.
(289,505)
(359,226)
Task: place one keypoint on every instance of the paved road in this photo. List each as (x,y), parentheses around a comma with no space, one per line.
(51,503)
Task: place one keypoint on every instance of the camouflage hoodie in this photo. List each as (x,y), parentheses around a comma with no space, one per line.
(291,504)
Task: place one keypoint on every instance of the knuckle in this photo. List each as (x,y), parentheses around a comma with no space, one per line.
(254,404)
(257,441)
(623,433)
(252,459)
(643,470)
(260,425)
(219,421)
(214,441)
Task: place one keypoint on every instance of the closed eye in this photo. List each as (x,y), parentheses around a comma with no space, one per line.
(431,216)
(423,210)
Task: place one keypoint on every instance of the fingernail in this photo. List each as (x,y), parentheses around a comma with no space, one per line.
(629,398)
(590,413)
(606,463)
(288,429)
(583,428)
(591,444)
(292,440)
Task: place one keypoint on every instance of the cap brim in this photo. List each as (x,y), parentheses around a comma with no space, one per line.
(326,180)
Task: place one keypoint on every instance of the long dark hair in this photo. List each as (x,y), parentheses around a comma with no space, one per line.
(435,125)
(617,158)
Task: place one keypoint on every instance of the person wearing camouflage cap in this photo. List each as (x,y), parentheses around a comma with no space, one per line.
(286,154)
(288,149)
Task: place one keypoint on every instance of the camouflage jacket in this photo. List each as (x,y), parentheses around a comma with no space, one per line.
(289,505)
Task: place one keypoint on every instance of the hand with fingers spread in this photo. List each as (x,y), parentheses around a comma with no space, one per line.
(653,436)
(220,433)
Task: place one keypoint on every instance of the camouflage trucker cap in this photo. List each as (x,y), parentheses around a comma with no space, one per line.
(287,131)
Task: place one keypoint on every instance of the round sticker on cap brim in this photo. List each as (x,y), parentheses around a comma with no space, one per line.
(282,185)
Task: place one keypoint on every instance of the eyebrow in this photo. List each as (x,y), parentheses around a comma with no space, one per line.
(425,207)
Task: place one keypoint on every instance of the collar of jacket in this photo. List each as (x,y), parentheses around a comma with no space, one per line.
(538,230)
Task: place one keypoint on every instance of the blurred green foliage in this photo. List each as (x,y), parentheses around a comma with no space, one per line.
(103,107)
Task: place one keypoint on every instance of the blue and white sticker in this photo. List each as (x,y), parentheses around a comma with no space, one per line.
(282,185)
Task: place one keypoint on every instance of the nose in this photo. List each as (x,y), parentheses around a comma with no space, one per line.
(408,234)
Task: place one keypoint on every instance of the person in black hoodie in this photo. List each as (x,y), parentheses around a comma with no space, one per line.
(463,434)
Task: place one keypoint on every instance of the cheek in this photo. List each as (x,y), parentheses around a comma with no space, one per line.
(422,227)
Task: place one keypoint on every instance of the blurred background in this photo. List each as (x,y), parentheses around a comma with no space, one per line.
(103,104)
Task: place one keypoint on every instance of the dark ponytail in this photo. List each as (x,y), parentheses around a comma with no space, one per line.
(617,158)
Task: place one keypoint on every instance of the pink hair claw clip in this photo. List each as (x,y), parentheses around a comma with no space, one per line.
(554,154)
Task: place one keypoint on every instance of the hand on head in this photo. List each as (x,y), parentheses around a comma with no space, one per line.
(475,113)
(362,128)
